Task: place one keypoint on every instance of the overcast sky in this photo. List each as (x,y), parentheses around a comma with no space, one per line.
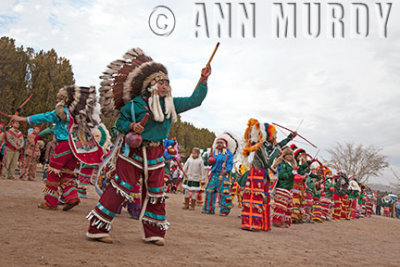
(345,90)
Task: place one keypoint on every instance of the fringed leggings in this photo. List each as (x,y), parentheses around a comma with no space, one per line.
(85,174)
(337,206)
(283,208)
(316,215)
(298,200)
(353,212)
(308,205)
(218,186)
(345,214)
(61,174)
(368,206)
(129,170)
(326,207)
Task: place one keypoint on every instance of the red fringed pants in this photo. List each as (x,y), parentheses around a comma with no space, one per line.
(84,177)
(298,199)
(129,170)
(61,174)
(337,206)
(283,207)
(326,207)
(369,206)
(308,205)
(345,215)
(316,211)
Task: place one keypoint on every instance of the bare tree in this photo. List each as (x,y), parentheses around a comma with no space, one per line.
(358,160)
(396,185)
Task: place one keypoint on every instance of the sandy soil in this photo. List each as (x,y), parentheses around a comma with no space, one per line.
(33,237)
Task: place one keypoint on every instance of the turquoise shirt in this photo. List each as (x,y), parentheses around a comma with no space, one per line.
(60,128)
(157,131)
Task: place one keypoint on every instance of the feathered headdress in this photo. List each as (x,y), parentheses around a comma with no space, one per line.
(127,78)
(81,103)
(270,130)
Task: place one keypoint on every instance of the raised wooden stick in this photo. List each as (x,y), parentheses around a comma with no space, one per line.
(293,132)
(208,63)
(20,107)
(5,115)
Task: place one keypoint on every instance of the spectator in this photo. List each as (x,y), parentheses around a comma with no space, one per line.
(397,205)
(378,205)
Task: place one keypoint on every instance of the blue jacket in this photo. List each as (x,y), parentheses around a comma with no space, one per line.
(217,167)
(61,127)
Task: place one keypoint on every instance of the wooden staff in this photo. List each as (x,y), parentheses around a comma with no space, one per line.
(20,107)
(287,129)
(5,115)
(208,63)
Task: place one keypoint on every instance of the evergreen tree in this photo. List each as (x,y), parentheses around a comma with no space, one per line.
(189,136)
(23,72)
(13,65)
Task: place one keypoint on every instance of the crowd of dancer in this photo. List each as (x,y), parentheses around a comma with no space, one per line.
(275,183)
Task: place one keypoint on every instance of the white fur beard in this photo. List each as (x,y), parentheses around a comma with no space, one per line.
(155,106)
(170,107)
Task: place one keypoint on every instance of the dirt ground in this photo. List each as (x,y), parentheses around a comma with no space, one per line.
(33,237)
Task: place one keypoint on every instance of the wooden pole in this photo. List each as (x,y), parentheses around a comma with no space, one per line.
(208,63)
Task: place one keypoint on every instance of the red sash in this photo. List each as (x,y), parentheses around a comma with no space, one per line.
(8,144)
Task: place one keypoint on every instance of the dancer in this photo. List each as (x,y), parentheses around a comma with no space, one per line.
(219,185)
(136,87)
(309,196)
(286,167)
(353,192)
(305,186)
(338,195)
(260,139)
(74,117)
(299,187)
(326,196)
(318,191)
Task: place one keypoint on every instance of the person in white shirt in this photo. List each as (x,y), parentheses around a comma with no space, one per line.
(194,175)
